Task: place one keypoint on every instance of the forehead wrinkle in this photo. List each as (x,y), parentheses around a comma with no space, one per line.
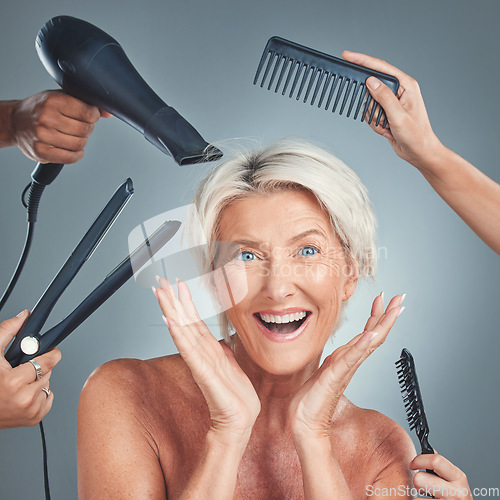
(317,230)
(300,236)
(309,232)
(309,221)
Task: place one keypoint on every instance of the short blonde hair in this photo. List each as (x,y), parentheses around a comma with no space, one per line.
(291,164)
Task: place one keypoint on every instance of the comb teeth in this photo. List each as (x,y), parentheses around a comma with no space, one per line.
(414,406)
(320,74)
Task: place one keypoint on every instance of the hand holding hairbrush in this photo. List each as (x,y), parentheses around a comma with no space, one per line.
(412,398)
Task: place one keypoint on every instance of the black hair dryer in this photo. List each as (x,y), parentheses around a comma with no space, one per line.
(92,66)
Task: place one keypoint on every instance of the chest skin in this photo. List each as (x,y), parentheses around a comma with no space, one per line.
(177,420)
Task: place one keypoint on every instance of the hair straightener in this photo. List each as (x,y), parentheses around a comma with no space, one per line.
(324,74)
(29,342)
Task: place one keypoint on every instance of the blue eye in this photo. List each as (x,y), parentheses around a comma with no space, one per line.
(307,251)
(245,256)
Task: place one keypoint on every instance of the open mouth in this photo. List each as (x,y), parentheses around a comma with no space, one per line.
(287,323)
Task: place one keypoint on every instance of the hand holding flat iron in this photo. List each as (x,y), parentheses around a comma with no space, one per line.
(25,397)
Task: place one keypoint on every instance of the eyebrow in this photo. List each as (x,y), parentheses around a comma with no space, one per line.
(293,239)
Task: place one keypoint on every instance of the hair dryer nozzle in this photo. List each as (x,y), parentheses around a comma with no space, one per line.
(178,137)
(92,66)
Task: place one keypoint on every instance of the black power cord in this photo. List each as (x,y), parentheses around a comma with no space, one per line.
(45,464)
(20,265)
(42,176)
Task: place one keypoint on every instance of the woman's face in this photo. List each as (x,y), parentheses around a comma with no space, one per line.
(296,274)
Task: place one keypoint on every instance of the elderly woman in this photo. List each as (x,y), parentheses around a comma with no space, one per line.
(255,415)
(290,232)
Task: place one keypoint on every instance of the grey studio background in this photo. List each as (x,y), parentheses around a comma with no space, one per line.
(200,57)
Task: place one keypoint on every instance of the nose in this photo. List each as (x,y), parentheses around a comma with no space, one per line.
(279,282)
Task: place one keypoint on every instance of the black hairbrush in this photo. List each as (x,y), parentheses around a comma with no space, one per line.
(328,74)
(414,404)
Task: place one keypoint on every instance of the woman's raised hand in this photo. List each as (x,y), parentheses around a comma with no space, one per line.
(313,407)
(231,397)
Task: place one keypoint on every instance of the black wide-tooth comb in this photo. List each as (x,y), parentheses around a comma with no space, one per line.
(325,75)
(412,398)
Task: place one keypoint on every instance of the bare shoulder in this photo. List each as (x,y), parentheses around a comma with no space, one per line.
(139,390)
(387,447)
(125,423)
(383,432)
(131,378)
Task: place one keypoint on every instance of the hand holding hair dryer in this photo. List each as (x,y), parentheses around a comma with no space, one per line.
(91,65)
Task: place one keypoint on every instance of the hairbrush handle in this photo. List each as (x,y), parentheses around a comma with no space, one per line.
(427,450)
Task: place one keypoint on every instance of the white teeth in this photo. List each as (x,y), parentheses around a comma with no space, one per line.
(286,318)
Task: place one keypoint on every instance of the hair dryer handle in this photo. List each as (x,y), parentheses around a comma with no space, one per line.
(45,173)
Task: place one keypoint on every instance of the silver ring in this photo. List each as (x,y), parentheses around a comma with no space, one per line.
(47,391)
(38,369)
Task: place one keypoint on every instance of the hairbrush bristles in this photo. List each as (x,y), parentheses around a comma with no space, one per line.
(412,398)
(331,78)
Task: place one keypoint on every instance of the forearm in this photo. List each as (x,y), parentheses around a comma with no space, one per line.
(215,475)
(321,473)
(6,132)
(470,193)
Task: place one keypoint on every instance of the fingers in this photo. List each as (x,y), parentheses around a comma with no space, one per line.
(359,348)
(70,107)
(201,352)
(27,373)
(395,107)
(45,153)
(454,486)
(171,306)
(374,63)
(187,301)
(376,311)
(52,126)
(165,298)
(9,328)
(392,106)
(66,125)
(23,402)
(53,138)
(188,331)
(386,321)
(39,402)
(46,404)
(439,464)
